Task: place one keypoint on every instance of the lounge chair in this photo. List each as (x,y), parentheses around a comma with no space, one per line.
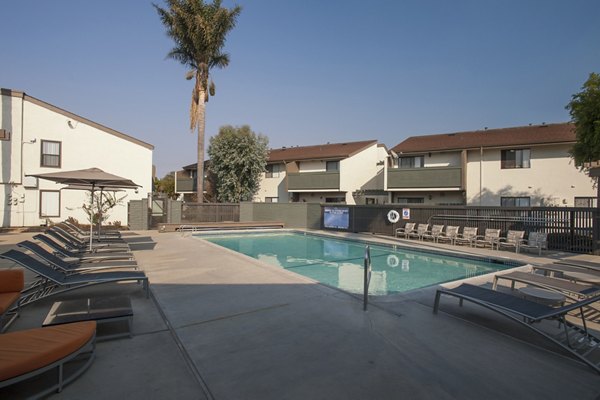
(86,236)
(75,244)
(570,289)
(580,263)
(30,353)
(513,240)
(53,282)
(449,235)
(535,241)
(61,264)
(82,256)
(490,238)
(434,233)
(81,232)
(577,341)
(571,273)
(419,232)
(409,227)
(467,236)
(12,281)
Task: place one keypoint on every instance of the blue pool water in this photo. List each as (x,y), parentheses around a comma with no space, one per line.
(339,262)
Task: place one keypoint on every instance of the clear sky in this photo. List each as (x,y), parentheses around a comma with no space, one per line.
(309,71)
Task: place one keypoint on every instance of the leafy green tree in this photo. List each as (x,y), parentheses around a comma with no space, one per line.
(166,185)
(199,31)
(585,114)
(238,157)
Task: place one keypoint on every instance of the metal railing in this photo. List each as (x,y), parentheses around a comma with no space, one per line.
(367,279)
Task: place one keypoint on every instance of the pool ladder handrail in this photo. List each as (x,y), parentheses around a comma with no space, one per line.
(367,278)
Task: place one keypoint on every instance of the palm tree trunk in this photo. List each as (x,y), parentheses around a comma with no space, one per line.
(201,126)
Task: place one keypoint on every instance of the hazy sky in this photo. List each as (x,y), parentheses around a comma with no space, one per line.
(309,71)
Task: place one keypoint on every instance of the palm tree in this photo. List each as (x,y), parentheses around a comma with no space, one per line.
(199,30)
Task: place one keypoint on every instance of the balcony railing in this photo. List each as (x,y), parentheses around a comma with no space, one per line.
(313,181)
(186,185)
(423,178)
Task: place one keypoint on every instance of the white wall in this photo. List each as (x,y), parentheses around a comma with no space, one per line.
(273,187)
(312,166)
(445,159)
(84,146)
(552,178)
(357,170)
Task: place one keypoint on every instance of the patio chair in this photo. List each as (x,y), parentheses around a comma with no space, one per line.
(535,241)
(449,235)
(82,256)
(570,289)
(409,227)
(513,240)
(12,281)
(490,238)
(55,350)
(61,264)
(577,340)
(434,233)
(75,244)
(419,232)
(53,282)
(77,229)
(571,273)
(467,236)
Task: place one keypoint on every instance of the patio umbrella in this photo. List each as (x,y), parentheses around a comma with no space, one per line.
(92,178)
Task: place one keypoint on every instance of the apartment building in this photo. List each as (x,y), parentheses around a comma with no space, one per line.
(520,166)
(37,137)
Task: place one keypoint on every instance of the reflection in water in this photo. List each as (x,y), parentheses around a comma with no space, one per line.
(339,263)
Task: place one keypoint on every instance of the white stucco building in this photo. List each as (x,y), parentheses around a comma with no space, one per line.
(520,166)
(37,137)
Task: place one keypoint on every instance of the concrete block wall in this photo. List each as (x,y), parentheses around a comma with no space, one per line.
(138,215)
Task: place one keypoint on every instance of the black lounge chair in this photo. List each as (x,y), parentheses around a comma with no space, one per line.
(81,232)
(53,282)
(82,256)
(75,244)
(570,289)
(576,341)
(59,263)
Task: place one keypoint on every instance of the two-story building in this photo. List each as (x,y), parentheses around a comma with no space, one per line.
(37,137)
(350,173)
(520,166)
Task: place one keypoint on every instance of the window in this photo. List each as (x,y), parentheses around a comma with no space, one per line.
(50,154)
(515,159)
(49,203)
(332,166)
(411,162)
(271,199)
(273,171)
(410,200)
(585,202)
(515,202)
(335,200)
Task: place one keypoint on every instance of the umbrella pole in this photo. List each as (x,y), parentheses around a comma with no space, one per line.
(92,217)
(100,212)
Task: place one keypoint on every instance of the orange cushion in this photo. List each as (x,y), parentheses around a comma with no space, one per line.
(11,280)
(8,299)
(25,351)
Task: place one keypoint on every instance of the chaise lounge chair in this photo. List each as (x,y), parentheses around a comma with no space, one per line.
(570,289)
(571,273)
(59,263)
(30,353)
(81,232)
(12,281)
(74,244)
(580,263)
(53,282)
(81,255)
(577,340)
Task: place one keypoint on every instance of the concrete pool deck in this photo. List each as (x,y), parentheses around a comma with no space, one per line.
(220,325)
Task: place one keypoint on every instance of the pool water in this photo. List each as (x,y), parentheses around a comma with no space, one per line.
(340,262)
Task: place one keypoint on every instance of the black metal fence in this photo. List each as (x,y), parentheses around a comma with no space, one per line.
(569,228)
(210,212)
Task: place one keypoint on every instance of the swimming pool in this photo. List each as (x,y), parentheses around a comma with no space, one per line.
(339,262)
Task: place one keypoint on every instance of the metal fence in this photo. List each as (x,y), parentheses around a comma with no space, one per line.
(210,212)
(569,228)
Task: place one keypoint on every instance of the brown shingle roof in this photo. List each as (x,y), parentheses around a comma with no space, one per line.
(518,136)
(319,152)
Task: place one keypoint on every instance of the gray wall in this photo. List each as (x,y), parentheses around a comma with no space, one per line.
(294,215)
(138,216)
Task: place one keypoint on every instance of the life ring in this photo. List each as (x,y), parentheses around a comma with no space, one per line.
(393,260)
(393,216)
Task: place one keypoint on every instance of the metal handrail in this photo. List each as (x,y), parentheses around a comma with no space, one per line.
(367,279)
